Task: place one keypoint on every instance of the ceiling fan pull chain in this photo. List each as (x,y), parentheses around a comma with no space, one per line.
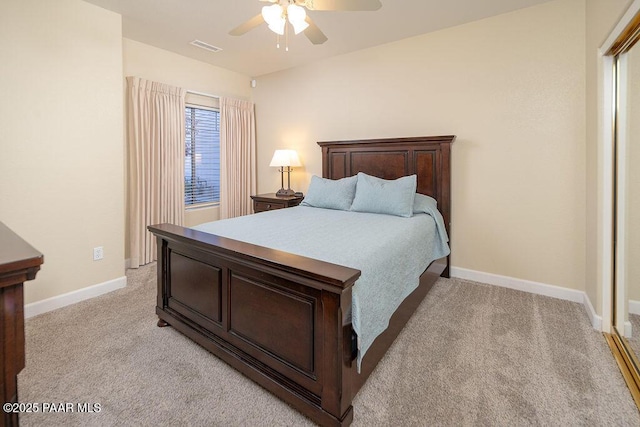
(278,41)
(286,38)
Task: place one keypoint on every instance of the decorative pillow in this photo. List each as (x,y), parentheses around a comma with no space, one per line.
(392,197)
(331,194)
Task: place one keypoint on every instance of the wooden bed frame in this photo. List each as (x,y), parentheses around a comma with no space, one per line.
(284,320)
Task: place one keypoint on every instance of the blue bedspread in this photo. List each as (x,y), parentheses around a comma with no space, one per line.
(391,252)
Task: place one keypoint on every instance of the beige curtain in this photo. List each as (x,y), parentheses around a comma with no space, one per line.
(237,157)
(155,140)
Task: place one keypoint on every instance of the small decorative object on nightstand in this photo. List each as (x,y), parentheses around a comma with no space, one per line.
(285,159)
(270,201)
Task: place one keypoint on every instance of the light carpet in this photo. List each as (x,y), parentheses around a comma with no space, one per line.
(472,354)
(634,342)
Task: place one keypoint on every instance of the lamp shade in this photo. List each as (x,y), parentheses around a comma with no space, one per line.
(285,158)
(272,13)
(278,27)
(274,17)
(297,17)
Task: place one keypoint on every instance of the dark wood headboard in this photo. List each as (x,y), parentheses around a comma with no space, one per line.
(429,157)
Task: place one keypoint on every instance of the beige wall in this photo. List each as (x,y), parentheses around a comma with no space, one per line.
(151,63)
(601,17)
(61,150)
(511,87)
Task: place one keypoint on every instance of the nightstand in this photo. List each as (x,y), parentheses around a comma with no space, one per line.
(269,202)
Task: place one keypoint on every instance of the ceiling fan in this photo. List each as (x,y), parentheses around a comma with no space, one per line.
(277,14)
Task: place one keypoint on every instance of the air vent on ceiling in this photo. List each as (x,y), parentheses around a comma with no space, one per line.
(206,46)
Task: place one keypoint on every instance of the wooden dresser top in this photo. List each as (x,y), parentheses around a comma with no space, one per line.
(16,255)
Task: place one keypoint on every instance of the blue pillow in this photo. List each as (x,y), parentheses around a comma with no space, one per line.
(392,197)
(331,194)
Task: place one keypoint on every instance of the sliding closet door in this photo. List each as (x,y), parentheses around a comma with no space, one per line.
(627,200)
(622,175)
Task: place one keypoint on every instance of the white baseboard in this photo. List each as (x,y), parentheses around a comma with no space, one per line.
(53,303)
(532,287)
(628,329)
(634,307)
(596,319)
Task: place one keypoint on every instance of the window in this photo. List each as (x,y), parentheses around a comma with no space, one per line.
(201,156)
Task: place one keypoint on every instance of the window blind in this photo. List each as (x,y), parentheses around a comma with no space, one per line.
(202,156)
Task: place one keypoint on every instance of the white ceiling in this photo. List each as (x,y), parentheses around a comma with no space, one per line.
(172,24)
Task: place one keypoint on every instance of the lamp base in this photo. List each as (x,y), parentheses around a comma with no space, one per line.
(284,193)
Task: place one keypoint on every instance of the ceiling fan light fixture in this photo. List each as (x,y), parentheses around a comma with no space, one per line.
(272,14)
(297,16)
(274,17)
(278,27)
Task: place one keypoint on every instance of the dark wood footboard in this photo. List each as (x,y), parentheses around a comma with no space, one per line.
(282,320)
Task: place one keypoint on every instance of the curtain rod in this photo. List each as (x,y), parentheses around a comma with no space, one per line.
(203,94)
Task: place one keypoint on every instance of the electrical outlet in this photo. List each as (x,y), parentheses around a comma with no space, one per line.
(98,253)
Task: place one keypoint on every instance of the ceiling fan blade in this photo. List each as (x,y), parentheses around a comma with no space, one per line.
(342,5)
(313,33)
(247,26)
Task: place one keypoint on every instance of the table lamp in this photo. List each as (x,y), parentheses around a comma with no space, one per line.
(285,159)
